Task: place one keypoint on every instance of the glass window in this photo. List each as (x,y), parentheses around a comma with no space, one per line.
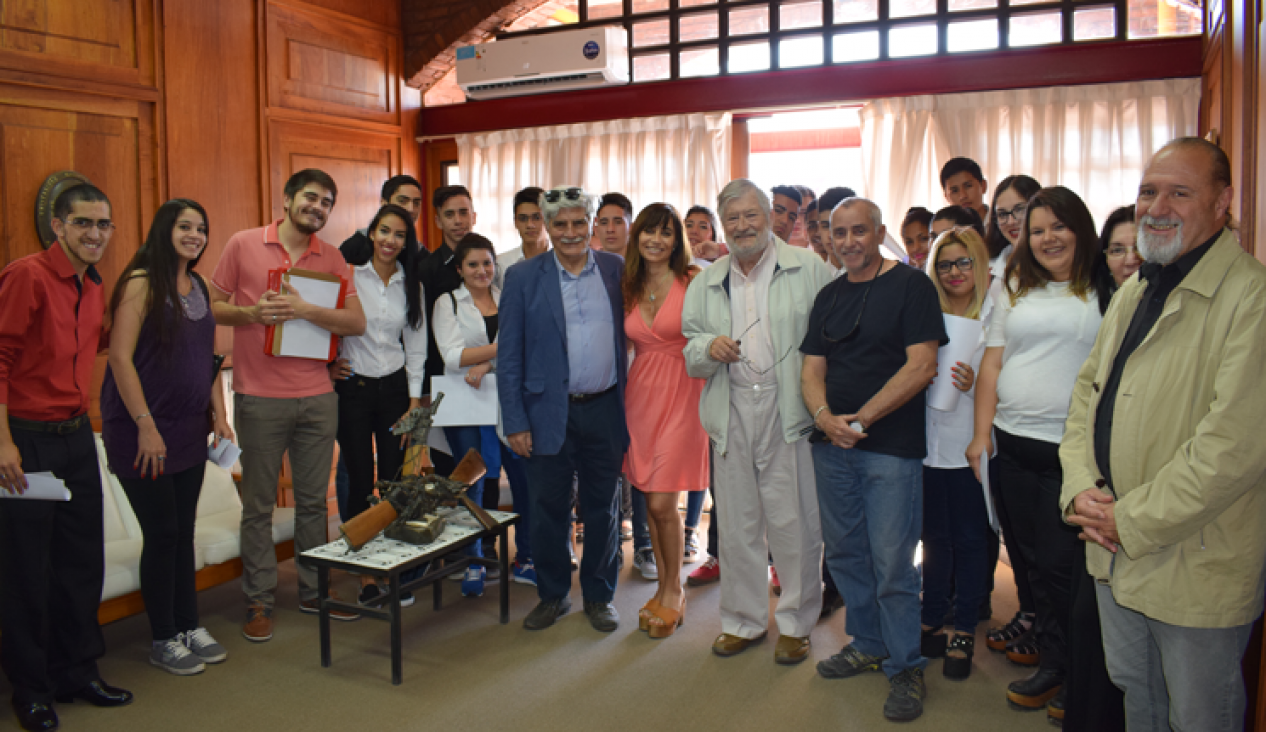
(649,6)
(794,14)
(693,3)
(1035,29)
(650,33)
(1155,18)
(853,11)
(604,8)
(746,57)
(912,40)
(910,8)
(973,35)
(745,21)
(698,27)
(700,62)
(959,5)
(651,68)
(797,52)
(1092,23)
(851,47)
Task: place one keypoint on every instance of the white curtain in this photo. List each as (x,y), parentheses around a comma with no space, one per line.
(1093,139)
(681,159)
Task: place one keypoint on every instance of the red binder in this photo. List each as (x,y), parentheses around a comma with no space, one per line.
(272,333)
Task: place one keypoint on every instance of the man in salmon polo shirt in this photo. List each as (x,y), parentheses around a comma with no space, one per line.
(282,403)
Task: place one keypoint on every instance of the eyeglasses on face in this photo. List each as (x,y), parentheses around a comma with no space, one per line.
(964,264)
(105,226)
(1116,251)
(1016,214)
(571,194)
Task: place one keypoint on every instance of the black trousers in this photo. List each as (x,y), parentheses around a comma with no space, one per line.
(1032,478)
(1093,703)
(367,407)
(1019,566)
(52,565)
(167,509)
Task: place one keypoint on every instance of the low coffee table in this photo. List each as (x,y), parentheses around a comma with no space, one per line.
(386,559)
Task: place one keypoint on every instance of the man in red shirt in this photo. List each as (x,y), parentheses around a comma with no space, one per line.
(51,552)
(282,404)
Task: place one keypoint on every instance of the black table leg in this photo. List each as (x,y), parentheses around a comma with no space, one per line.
(393,602)
(505,574)
(437,588)
(323,592)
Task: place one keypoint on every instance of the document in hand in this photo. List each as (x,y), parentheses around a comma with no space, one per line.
(299,338)
(41,487)
(964,337)
(465,405)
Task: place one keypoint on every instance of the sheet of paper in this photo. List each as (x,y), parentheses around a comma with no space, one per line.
(984,484)
(964,335)
(224,453)
(41,487)
(299,338)
(465,405)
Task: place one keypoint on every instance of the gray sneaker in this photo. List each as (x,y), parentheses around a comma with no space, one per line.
(848,662)
(905,696)
(644,562)
(200,642)
(173,657)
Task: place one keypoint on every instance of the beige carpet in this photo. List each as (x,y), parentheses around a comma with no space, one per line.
(464,670)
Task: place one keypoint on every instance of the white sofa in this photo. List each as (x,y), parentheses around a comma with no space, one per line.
(216,538)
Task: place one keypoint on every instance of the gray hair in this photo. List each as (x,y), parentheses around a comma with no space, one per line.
(738,188)
(876,216)
(549,210)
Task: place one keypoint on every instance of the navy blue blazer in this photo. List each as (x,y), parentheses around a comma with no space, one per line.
(532,368)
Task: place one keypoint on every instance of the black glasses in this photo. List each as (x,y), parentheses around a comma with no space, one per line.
(1016,213)
(964,264)
(857,324)
(572,194)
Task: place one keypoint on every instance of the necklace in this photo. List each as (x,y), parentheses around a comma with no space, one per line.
(652,291)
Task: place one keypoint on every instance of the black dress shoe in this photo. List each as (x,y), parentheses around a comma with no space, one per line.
(602,616)
(35,717)
(97,693)
(1035,691)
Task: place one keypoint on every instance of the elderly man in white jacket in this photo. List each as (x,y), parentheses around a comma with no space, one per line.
(745,318)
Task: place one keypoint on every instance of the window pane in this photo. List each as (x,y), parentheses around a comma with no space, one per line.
(749,57)
(744,21)
(796,52)
(1028,2)
(912,40)
(956,5)
(605,8)
(698,27)
(651,68)
(650,33)
(853,11)
(700,62)
(908,8)
(1034,29)
(794,14)
(973,35)
(849,47)
(1094,23)
(1153,18)
(693,3)
(649,6)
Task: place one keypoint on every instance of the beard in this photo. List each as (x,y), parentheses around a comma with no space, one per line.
(760,240)
(308,229)
(1160,250)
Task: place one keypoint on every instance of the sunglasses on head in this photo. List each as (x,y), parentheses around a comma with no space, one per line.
(571,194)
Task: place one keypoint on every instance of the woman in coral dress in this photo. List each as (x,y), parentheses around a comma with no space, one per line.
(668,449)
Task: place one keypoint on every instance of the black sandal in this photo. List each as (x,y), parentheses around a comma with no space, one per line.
(959,667)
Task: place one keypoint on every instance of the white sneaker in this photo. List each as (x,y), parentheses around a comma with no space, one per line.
(644,562)
(200,642)
(173,657)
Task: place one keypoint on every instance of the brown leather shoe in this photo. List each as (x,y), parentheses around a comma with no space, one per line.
(259,623)
(791,650)
(727,645)
(313,606)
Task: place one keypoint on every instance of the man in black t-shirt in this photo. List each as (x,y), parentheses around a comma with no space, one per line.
(870,351)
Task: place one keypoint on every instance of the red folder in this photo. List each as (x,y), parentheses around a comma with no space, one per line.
(272,333)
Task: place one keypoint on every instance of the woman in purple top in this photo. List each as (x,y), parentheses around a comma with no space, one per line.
(154,401)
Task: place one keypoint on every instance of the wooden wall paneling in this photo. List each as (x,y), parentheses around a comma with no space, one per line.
(740,148)
(358,161)
(1259,167)
(434,154)
(380,13)
(319,65)
(102,40)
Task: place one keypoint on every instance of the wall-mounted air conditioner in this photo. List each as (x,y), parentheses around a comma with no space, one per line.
(562,61)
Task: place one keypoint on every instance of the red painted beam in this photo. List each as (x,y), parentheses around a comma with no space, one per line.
(1089,63)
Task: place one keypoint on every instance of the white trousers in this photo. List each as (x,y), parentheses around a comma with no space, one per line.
(767,504)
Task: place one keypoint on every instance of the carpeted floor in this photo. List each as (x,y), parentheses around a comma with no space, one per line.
(464,670)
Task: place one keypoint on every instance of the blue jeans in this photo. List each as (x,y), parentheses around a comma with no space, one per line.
(462,439)
(1174,678)
(694,509)
(871,507)
(641,529)
(516,473)
(955,546)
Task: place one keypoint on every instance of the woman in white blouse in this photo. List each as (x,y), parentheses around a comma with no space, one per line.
(386,362)
(465,325)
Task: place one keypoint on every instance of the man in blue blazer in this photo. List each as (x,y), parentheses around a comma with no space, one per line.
(561,363)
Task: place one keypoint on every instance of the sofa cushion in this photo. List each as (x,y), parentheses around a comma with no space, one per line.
(122,568)
(217,537)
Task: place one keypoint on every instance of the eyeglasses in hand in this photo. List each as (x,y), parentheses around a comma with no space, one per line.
(748,362)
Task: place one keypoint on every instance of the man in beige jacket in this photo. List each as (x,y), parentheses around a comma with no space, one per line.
(1163,463)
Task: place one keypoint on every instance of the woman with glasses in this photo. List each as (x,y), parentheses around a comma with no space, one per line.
(955,520)
(1006,219)
(1043,328)
(1118,239)
(155,402)
(668,449)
